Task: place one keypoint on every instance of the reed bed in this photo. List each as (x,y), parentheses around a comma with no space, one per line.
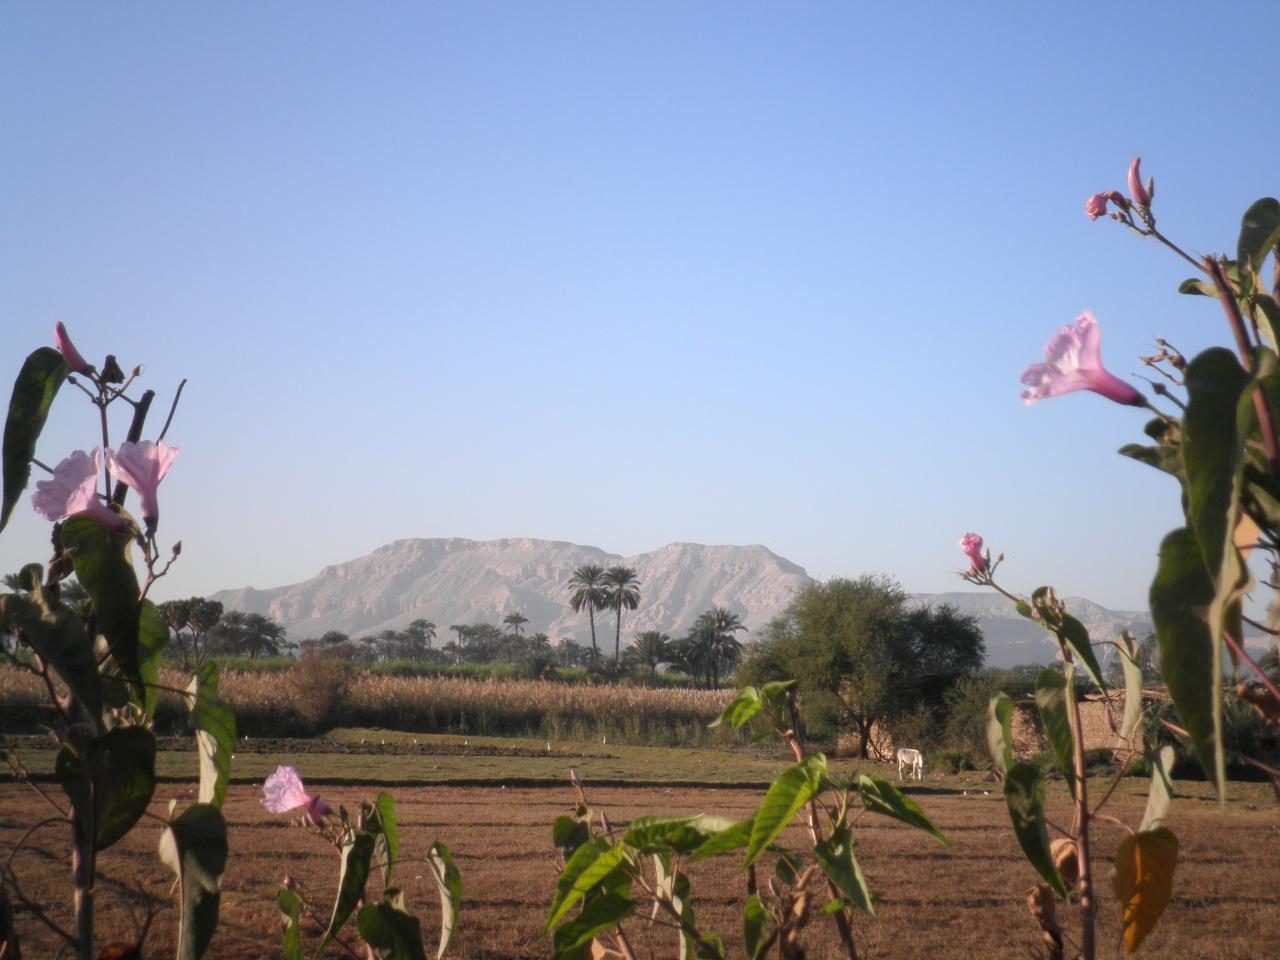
(317,695)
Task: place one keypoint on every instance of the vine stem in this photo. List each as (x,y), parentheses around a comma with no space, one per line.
(1238,649)
(1088,909)
(815,834)
(1266,422)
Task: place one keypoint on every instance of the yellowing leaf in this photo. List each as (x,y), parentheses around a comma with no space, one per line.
(1143,881)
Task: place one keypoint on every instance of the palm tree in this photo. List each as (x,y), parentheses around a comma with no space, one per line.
(514,622)
(623,588)
(587,588)
(650,648)
(261,635)
(716,629)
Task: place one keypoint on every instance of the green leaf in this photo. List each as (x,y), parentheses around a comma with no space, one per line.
(353,874)
(1259,231)
(754,922)
(38,381)
(787,795)
(726,841)
(1143,881)
(1024,795)
(1197,287)
(835,856)
(110,779)
(58,636)
(680,834)
(1167,459)
(1181,597)
(1076,637)
(600,914)
(214,724)
(880,796)
(449,882)
(1051,699)
(290,905)
(386,839)
(102,565)
(392,932)
(1267,313)
(740,709)
(1160,795)
(776,688)
(194,847)
(153,637)
(999,731)
(1132,688)
(569,833)
(585,870)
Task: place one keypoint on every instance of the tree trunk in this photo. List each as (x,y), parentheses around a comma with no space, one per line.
(595,651)
(617,639)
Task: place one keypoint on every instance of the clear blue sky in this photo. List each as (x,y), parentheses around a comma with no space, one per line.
(623,274)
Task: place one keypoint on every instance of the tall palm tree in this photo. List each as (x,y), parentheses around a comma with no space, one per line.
(716,628)
(623,590)
(514,622)
(587,589)
(650,648)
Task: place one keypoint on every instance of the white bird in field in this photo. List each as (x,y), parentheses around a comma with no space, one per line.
(548,746)
(604,739)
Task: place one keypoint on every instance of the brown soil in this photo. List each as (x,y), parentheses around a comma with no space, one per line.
(937,903)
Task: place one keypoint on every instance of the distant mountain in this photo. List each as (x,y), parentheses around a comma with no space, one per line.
(469,581)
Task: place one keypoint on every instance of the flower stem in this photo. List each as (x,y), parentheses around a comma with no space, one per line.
(135,434)
(1088,909)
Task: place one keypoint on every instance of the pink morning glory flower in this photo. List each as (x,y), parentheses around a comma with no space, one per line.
(1096,206)
(73,491)
(1137,192)
(971,544)
(283,791)
(62,340)
(142,466)
(1073,361)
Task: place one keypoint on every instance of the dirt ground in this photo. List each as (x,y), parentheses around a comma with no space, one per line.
(937,903)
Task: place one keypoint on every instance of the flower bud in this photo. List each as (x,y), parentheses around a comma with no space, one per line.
(62,341)
(1137,192)
(111,371)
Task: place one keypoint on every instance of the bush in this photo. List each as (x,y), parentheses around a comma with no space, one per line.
(316,688)
(951,761)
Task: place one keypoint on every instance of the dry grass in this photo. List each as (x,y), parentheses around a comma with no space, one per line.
(936,903)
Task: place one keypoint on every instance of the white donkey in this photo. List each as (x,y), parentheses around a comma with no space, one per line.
(912,759)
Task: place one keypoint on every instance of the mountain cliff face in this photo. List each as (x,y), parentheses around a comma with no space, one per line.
(468,581)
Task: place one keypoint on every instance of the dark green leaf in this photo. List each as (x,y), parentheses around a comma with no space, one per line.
(449,882)
(1164,458)
(585,870)
(392,932)
(1024,794)
(194,847)
(57,634)
(290,905)
(754,921)
(787,795)
(835,856)
(776,688)
(726,841)
(740,709)
(110,779)
(1196,286)
(569,833)
(1267,313)
(353,874)
(38,381)
(598,915)
(214,724)
(102,566)
(153,637)
(1072,633)
(999,732)
(680,834)
(880,796)
(1051,699)
(386,839)
(1181,597)
(1259,231)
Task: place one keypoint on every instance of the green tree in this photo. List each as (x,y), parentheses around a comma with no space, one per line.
(860,653)
(417,638)
(622,588)
(718,629)
(515,621)
(648,649)
(587,590)
(191,620)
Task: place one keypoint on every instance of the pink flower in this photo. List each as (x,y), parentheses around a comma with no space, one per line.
(1073,361)
(1096,206)
(971,544)
(142,466)
(283,791)
(62,341)
(1137,192)
(73,491)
